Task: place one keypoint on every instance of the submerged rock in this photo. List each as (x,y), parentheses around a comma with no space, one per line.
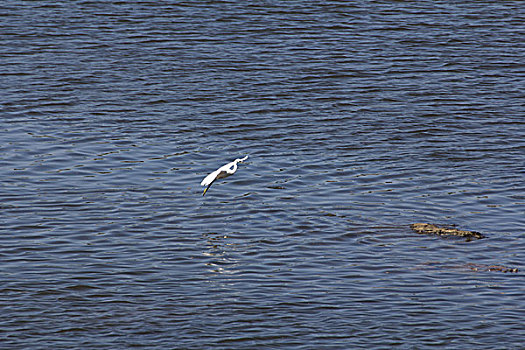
(501,268)
(447,231)
(444,231)
(471,267)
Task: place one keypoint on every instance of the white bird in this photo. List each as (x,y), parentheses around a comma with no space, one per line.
(222,172)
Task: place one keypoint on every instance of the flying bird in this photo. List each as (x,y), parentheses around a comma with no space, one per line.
(222,172)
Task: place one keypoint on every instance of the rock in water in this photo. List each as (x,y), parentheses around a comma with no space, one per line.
(444,231)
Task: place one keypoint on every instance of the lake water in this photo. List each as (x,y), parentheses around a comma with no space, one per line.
(359,118)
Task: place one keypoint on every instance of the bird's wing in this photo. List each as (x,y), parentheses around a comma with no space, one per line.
(225,170)
(210,178)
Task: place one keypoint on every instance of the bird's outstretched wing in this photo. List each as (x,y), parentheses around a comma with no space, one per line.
(210,178)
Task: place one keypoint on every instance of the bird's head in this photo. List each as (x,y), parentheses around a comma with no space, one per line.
(240,160)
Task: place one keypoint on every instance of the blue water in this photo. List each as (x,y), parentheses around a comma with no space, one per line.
(359,118)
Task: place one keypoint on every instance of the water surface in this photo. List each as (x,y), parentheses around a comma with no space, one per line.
(358,118)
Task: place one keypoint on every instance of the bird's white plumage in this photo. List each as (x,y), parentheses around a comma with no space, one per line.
(210,178)
(222,172)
